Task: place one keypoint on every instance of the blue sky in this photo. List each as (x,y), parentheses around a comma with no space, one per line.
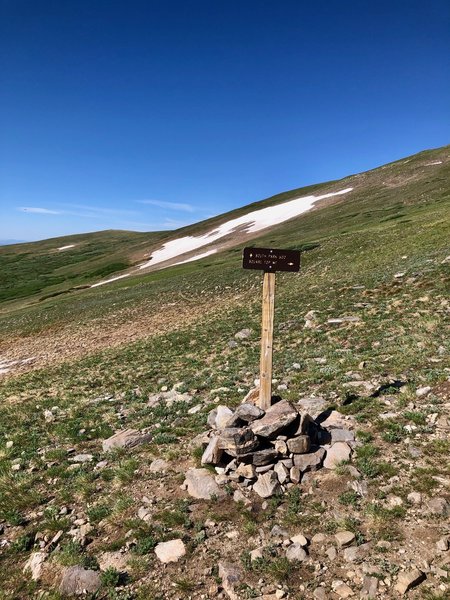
(149,115)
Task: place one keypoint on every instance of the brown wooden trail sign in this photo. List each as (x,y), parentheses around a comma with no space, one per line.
(268,260)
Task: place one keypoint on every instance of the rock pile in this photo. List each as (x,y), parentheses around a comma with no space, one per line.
(269,451)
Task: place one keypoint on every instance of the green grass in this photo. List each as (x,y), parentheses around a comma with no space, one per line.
(355,249)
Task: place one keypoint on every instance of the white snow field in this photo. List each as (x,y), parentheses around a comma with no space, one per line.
(110,280)
(196,257)
(66,247)
(252,221)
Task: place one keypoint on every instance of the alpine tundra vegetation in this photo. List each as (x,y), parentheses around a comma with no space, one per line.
(134,463)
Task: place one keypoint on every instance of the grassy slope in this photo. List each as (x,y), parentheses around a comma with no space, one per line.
(361,244)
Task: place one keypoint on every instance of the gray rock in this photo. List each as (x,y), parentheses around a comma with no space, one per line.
(244,334)
(267,485)
(282,472)
(127,438)
(296,552)
(223,415)
(310,461)
(277,418)
(341,435)
(370,587)
(246,471)
(237,441)
(408,580)
(171,551)
(299,538)
(211,419)
(339,452)
(159,465)
(312,405)
(201,484)
(248,412)
(442,545)
(252,396)
(295,475)
(320,594)
(231,575)
(437,506)
(113,560)
(344,538)
(423,391)
(299,445)
(260,457)
(76,581)
(81,458)
(213,452)
(34,564)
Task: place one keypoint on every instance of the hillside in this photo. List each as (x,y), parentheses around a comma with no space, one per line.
(361,330)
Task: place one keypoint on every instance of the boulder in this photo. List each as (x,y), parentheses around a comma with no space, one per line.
(171,551)
(310,461)
(201,484)
(282,472)
(312,405)
(267,485)
(127,438)
(77,580)
(341,435)
(277,418)
(339,452)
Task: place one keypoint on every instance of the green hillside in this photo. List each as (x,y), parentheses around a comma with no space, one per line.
(379,256)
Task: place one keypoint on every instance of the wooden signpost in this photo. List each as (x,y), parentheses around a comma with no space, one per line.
(268,260)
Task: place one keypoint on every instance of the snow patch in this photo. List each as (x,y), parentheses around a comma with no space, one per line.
(7,365)
(431,164)
(110,280)
(196,257)
(251,222)
(67,247)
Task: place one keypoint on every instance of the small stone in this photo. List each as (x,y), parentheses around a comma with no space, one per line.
(344,538)
(437,506)
(296,552)
(113,560)
(331,553)
(159,465)
(343,590)
(320,594)
(442,545)
(423,391)
(339,452)
(256,554)
(318,538)
(267,485)
(260,457)
(282,472)
(127,438)
(231,575)
(77,580)
(299,539)
(172,551)
(408,580)
(370,587)
(237,441)
(244,334)
(281,447)
(252,396)
(295,475)
(299,445)
(82,458)
(200,484)
(246,471)
(351,554)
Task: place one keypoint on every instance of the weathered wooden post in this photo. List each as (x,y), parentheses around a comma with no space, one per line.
(269,261)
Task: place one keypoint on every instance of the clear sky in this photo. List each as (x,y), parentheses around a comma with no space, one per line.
(148,115)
